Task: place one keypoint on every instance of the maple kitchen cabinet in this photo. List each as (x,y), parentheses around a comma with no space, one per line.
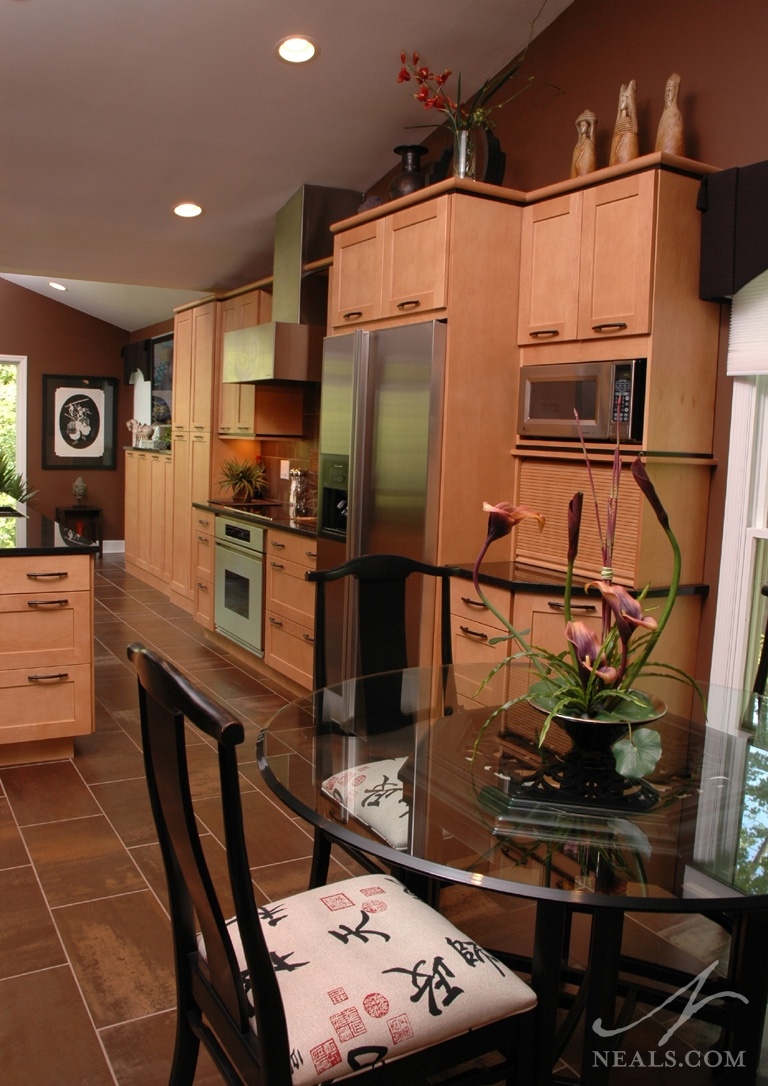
(195,338)
(449,252)
(289,627)
(46,642)
(393,266)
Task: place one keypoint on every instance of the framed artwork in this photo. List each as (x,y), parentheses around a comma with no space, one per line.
(79,422)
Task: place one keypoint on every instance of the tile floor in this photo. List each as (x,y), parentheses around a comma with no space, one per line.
(86,977)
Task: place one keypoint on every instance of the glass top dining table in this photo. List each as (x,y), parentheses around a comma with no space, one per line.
(433,774)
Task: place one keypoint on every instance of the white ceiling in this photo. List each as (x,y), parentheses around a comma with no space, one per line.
(115,110)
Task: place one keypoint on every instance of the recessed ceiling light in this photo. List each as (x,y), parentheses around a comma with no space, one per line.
(57,286)
(296,50)
(187,210)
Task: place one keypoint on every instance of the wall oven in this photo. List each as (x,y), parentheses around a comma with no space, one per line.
(239,582)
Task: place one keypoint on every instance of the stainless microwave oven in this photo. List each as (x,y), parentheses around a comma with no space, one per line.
(604,394)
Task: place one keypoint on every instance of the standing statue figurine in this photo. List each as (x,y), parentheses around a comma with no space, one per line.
(583,160)
(624,142)
(669,137)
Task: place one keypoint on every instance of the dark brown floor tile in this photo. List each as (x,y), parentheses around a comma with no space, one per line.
(120,948)
(126,805)
(28,939)
(150,862)
(271,837)
(116,686)
(46,1036)
(229,682)
(292,877)
(141,1052)
(260,708)
(193,656)
(47,792)
(12,850)
(80,859)
(108,756)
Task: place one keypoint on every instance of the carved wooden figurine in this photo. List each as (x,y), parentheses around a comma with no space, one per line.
(583,160)
(669,136)
(624,142)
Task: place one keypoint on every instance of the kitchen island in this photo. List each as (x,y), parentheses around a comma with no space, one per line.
(46,636)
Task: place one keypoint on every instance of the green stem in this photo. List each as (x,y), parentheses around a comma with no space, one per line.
(641,660)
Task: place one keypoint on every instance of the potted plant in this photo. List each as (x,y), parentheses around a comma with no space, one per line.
(245,478)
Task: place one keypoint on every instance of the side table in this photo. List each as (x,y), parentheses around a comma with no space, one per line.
(85,520)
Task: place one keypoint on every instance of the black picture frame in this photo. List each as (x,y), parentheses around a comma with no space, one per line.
(79,423)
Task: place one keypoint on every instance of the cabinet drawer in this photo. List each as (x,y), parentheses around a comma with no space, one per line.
(41,629)
(289,648)
(474,656)
(468,607)
(288,592)
(48,703)
(203,521)
(293,547)
(48,571)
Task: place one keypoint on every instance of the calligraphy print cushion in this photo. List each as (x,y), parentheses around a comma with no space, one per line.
(368,972)
(373,794)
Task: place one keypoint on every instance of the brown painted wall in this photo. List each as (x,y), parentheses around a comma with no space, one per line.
(58,339)
(717,47)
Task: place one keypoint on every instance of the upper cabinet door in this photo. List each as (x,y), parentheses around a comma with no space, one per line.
(617,257)
(550,247)
(416,259)
(356,279)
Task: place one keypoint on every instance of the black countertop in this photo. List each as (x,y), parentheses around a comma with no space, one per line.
(25,531)
(275,516)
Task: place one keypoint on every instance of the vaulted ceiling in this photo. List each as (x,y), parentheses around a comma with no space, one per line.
(116,110)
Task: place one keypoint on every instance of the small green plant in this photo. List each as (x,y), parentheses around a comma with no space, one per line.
(12,483)
(245,478)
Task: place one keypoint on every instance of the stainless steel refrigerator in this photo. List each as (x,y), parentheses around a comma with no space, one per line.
(379,467)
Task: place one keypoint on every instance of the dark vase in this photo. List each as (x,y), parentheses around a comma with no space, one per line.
(410,179)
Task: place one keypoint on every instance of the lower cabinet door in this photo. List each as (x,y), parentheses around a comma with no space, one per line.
(289,649)
(48,702)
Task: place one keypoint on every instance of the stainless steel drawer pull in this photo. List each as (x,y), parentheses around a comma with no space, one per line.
(39,576)
(48,678)
(202,586)
(474,633)
(275,621)
(203,523)
(612,326)
(277,565)
(204,539)
(310,638)
(412,303)
(353,315)
(47,603)
(584,608)
(276,545)
(473,603)
(544,332)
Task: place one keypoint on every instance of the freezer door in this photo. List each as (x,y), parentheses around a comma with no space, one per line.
(397,441)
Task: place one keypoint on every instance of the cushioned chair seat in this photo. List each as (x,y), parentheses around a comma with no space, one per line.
(373,794)
(326,944)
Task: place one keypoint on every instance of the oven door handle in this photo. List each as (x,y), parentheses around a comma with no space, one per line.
(244,552)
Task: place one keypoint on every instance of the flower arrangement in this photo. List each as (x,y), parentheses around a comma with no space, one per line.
(474,113)
(594,677)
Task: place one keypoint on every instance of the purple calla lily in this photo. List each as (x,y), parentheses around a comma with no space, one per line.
(588,652)
(627,612)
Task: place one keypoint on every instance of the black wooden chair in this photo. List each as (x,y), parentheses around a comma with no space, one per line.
(384,589)
(357,975)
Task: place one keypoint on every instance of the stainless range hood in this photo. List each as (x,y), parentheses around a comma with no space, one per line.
(289,348)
